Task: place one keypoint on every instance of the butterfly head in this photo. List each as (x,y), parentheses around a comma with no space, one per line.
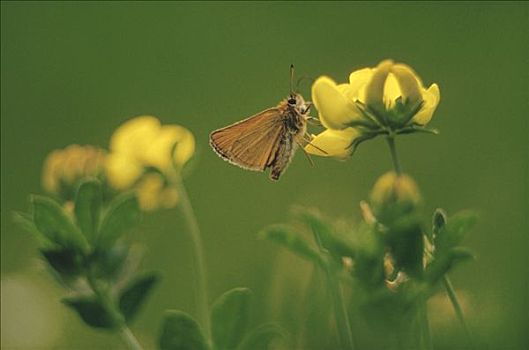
(297,102)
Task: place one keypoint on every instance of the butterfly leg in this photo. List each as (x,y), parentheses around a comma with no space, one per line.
(306,154)
(308,141)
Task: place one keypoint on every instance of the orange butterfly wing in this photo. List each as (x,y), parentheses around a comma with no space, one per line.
(251,143)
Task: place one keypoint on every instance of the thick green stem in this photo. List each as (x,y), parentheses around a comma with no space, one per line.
(201,287)
(340,311)
(457,307)
(393,151)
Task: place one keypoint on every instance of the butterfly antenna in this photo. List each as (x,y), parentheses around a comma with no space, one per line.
(292,80)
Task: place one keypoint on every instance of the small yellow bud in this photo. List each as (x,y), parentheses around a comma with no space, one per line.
(392,188)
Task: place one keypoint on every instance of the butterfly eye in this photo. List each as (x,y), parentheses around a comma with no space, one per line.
(292,101)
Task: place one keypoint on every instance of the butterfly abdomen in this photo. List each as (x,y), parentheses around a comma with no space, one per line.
(283,157)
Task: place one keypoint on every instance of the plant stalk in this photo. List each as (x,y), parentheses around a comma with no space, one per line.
(198,253)
(394,156)
(457,307)
(129,338)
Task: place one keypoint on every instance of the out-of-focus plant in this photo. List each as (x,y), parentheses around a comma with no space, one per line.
(391,261)
(95,198)
(80,232)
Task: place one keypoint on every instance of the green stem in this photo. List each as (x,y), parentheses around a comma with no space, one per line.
(457,307)
(340,311)
(426,338)
(107,303)
(393,151)
(129,338)
(196,240)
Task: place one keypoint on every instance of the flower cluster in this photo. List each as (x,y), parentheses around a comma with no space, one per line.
(64,169)
(146,155)
(386,100)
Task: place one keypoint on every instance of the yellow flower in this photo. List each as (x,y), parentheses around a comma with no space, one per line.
(65,168)
(387,98)
(145,155)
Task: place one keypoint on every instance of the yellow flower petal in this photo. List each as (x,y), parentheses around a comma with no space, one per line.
(392,91)
(185,148)
(336,111)
(122,171)
(335,143)
(409,83)
(149,192)
(358,81)
(135,135)
(158,154)
(431,98)
(375,87)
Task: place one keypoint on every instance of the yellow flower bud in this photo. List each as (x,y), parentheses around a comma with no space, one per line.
(392,188)
(65,168)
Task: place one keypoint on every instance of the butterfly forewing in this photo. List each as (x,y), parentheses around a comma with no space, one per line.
(251,143)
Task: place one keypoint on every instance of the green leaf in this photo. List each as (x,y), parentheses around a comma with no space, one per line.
(67,262)
(229,318)
(261,337)
(109,263)
(455,229)
(25,221)
(285,235)
(445,262)
(91,312)
(53,222)
(88,207)
(181,332)
(134,295)
(123,214)
(406,243)
(339,244)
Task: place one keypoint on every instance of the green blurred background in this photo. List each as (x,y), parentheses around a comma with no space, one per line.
(72,72)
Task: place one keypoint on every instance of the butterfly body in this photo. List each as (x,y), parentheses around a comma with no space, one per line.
(266,140)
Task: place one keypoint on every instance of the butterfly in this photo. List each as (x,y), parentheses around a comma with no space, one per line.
(267,139)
